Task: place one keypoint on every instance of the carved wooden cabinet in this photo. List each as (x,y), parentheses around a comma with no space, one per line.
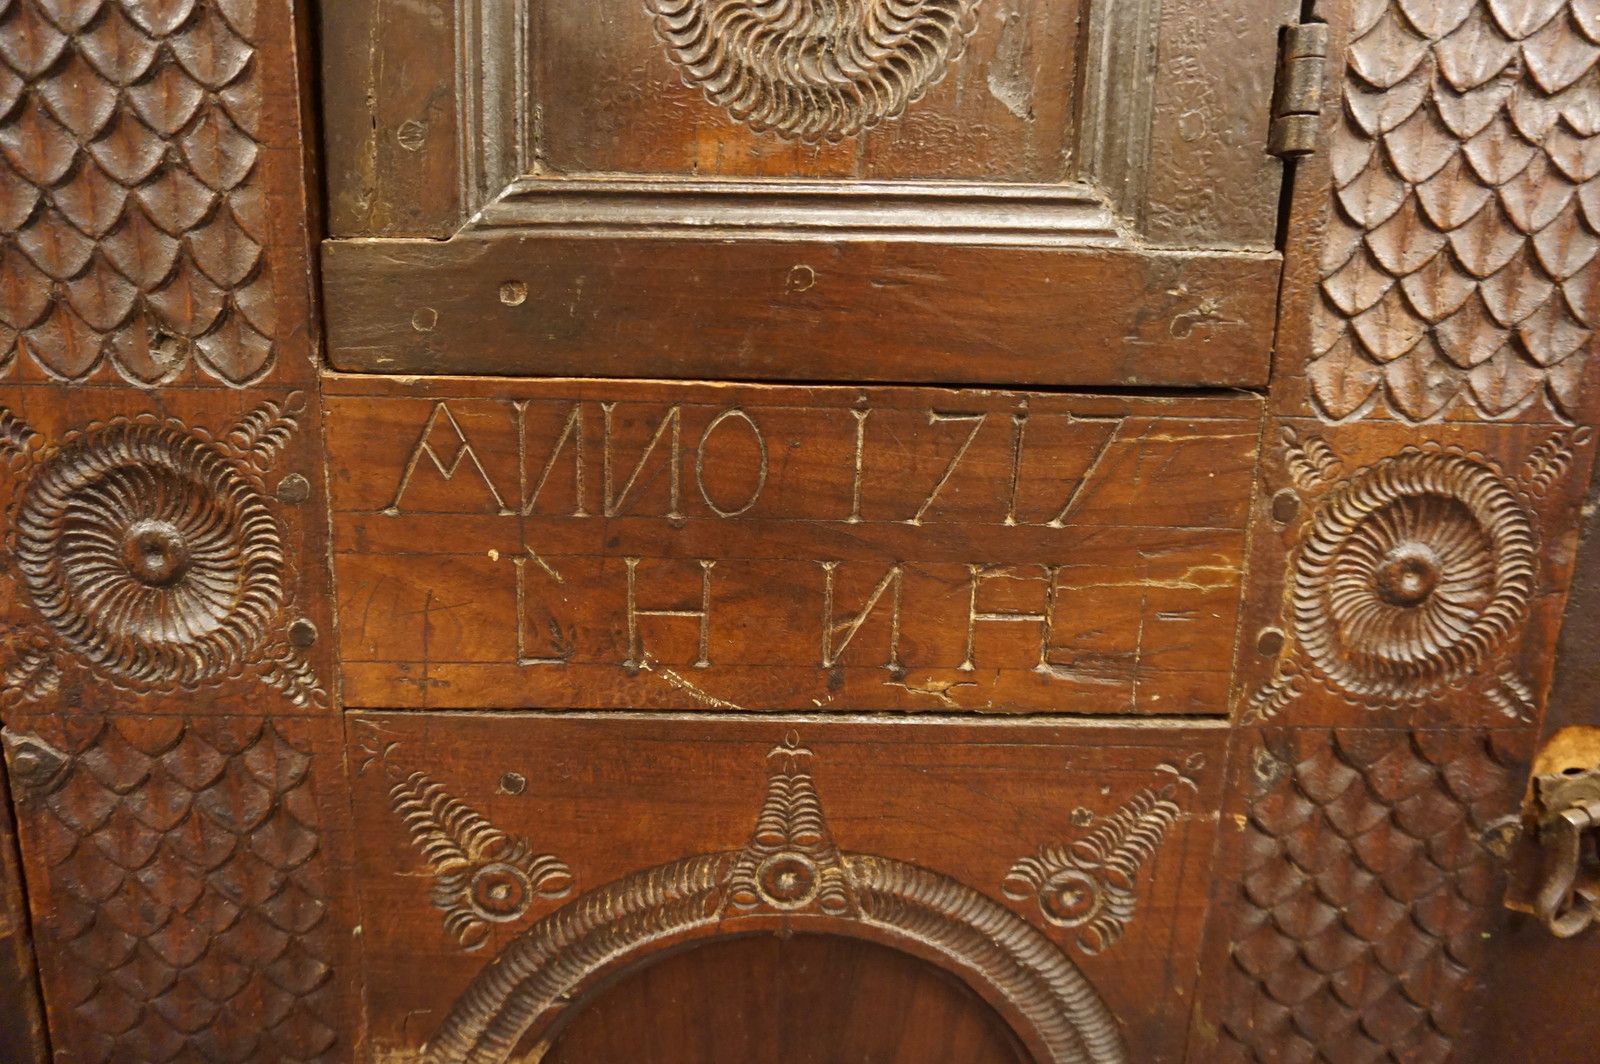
(756,530)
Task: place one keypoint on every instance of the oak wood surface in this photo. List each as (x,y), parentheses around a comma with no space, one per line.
(22,1030)
(333,731)
(852,310)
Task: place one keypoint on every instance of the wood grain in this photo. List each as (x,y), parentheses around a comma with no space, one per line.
(601,544)
(768,1000)
(22,1029)
(841,311)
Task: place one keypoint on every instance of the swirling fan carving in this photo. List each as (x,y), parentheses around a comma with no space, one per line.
(813,69)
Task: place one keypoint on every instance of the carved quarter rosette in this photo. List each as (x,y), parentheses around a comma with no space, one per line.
(1091,885)
(481,875)
(813,69)
(1413,577)
(151,555)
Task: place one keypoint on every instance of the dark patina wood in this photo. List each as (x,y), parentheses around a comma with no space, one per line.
(22,1029)
(170,726)
(969,193)
(1121,627)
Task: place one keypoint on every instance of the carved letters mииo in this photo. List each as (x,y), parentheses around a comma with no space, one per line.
(642,545)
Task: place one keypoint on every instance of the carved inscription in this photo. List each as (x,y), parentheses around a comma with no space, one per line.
(808,70)
(789,548)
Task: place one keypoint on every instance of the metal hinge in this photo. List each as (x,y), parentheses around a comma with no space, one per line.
(1297,96)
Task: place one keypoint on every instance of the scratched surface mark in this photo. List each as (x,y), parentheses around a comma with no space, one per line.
(616,545)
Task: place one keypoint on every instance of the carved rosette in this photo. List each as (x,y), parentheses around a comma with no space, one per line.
(1414,573)
(1413,577)
(792,871)
(813,69)
(150,554)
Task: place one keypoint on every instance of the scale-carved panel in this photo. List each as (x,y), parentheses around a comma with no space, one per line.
(707,547)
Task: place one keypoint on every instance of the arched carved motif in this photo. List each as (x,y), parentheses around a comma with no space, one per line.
(791,871)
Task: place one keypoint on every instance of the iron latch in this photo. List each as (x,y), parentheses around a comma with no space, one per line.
(1297,96)
(1568,897)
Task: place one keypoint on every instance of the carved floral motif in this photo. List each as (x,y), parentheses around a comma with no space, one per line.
(1091,884)
(133,231)
(1413,575)
(790,869)
(813,69)
(1414,572)
(150,554)
(1459,263)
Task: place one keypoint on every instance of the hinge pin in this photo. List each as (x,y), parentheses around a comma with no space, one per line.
(1297,98)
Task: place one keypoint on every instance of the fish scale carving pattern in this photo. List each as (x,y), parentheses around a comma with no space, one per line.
(132,231)
(183,910)
(1459,264)
(1364,892)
